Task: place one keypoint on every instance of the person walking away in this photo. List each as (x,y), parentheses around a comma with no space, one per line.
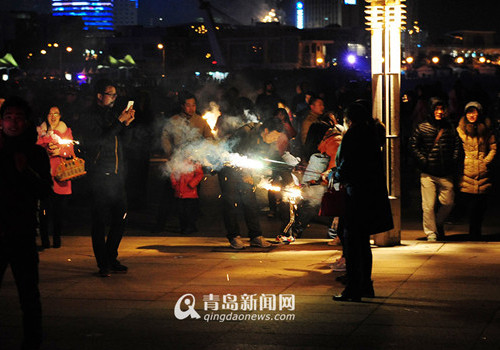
(360,169)
(475,183)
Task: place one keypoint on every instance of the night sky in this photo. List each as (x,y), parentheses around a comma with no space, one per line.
(441,16)
(436,16)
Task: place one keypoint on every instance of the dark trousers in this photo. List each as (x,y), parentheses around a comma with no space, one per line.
(23,260)
(476,205)
(51,217)
(359,259)
(189,209)
(237,193)
(109,206)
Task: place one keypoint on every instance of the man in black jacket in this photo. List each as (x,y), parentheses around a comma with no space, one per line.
(24,179)
(436,147)
(104,159)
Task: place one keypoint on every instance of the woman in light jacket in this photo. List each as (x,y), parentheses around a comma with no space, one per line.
(479,144)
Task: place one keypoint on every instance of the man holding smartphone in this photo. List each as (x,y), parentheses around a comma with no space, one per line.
(104,155)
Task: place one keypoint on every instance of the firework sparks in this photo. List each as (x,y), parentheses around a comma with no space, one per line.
(239,161)
(211,117)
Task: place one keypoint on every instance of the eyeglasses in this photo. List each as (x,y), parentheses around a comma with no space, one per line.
(109,94)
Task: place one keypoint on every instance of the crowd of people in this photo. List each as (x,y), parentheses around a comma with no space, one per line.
(313,144)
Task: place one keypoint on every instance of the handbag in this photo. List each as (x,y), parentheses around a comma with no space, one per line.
(333,202)
(70,169)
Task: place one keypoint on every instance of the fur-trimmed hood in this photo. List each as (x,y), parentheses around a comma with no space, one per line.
(482,128)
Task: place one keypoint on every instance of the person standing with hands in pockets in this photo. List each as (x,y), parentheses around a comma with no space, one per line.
(104,157)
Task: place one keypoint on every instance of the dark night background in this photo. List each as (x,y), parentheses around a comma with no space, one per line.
(436,16)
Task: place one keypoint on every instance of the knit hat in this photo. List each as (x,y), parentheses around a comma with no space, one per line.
(474,104)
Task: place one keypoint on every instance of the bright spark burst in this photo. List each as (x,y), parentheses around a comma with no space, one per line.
(211,116)
(240,161)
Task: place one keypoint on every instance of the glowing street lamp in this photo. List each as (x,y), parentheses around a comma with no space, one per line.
(409,60)
(435,60)
(482,59)
(69,49)
(385,19)
(459,60)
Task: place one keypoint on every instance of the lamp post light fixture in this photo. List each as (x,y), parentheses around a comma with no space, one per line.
(385,21)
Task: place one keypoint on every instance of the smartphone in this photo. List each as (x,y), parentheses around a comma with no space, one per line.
(130,104)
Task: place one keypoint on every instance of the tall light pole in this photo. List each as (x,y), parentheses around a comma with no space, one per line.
(161,47)
(385,19)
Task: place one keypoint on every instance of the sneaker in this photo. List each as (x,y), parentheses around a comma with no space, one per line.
(116,267)
(285,239)
(260,242)
(432,237)
(339,265)
(336,241)
(236,243)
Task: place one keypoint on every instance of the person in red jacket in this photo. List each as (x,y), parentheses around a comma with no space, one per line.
(57,139)
(185,184)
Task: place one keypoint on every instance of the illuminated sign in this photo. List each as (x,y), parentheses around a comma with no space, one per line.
(95,14)
(300,15)
(350,2)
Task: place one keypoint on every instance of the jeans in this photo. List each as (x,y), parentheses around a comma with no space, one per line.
(432,186)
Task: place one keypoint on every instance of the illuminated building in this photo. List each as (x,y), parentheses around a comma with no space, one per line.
(95,14)
(321,13)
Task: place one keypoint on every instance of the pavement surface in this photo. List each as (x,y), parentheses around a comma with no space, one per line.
(443,295)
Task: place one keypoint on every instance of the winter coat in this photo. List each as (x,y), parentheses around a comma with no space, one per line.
(331,143)
(102,142)
(20,191)
(185,184)
(306,124)
(436,158)
(360,169)
(66,151)
(479,146)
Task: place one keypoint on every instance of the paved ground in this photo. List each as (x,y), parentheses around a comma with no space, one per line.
(442,295)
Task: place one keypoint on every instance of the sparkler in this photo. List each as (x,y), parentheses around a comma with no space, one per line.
(211,117)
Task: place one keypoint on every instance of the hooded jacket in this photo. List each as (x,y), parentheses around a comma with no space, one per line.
(480,147)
